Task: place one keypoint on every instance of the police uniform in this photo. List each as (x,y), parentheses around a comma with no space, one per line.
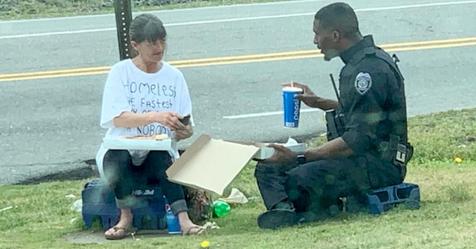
(372,101)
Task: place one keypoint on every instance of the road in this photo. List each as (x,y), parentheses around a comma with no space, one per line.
(50,123)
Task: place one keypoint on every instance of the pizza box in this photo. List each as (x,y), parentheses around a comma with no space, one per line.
(157,142)
(210,164)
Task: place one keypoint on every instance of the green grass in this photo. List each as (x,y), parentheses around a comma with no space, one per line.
(23,9)
(41,216)
(444,136)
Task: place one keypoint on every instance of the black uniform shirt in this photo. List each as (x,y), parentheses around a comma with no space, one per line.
(372,97)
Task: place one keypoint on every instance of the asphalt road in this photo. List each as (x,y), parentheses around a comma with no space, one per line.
(52,124)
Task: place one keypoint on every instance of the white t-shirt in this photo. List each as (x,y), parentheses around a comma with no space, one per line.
(129,89)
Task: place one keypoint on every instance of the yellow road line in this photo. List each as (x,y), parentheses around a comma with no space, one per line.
(291,55)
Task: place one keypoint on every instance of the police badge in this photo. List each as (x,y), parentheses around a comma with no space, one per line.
(363,82)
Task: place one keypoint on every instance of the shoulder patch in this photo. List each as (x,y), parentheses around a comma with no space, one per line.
(363,82)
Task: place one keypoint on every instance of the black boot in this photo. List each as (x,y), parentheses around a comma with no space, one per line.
(281,215)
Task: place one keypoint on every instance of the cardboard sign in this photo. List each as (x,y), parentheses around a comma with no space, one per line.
(210,164)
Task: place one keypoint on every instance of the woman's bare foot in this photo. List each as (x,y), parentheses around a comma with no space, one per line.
(122,228)
(187,226)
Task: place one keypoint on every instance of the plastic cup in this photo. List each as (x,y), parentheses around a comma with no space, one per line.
(291,106)
(173,225)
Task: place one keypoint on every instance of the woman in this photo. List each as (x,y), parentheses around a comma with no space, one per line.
(144,96)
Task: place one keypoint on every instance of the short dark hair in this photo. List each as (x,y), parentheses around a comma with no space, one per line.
(147,27)
(338,16)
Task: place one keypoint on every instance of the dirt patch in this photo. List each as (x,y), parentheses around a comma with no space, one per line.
(82,172)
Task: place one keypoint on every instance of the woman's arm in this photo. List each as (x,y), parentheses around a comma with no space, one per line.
(131,120)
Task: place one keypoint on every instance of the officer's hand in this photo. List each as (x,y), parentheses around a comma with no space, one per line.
(281,155)
(308,97)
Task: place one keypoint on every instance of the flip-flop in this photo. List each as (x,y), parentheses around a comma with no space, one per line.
(200,230)
(277,218)
(119,233)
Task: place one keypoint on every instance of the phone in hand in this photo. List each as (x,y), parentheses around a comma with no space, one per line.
(185,120)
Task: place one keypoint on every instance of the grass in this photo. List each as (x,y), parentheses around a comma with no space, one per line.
(41,217)
(24,9)
(444,136)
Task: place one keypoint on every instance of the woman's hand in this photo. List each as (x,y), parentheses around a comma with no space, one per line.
(184,133)
(172,120)
(168,119)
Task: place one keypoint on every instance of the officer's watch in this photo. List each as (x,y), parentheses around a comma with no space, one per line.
(301,158)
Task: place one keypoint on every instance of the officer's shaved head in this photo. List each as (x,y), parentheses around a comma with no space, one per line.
(340,17)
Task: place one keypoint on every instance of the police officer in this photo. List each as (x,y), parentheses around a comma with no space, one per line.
(372,150)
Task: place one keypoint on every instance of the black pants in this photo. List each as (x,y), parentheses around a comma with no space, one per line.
(123,177)
(316,185)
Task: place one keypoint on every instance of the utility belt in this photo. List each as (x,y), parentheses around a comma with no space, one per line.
(395,152)
(335,124)
(390,151)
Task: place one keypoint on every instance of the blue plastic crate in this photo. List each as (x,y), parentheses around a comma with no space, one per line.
(383,199)
(98,201)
